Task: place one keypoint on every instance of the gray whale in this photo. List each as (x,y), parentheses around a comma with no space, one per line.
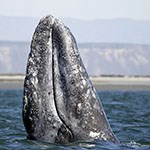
(60,104)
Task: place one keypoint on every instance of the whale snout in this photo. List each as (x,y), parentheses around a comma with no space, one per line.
(60,104)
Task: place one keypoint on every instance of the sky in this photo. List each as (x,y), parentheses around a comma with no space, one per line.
(80,9)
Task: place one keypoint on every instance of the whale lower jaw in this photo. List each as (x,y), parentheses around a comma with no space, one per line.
(60,103)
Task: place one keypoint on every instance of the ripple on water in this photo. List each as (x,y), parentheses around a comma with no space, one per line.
(128,113)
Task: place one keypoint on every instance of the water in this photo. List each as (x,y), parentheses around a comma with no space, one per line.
(128,113)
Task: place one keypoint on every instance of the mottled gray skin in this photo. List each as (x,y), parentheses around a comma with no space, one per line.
(60,103)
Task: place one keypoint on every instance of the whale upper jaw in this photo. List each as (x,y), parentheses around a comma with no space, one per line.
(60,103)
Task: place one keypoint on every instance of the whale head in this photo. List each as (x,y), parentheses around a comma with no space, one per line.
(60,104)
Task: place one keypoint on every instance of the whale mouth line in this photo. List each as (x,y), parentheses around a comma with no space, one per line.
(67,128)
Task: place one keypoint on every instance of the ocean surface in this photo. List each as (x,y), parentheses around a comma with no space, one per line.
(128,113)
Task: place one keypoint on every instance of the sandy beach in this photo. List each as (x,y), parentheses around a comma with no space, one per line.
(100,83)
(121,83)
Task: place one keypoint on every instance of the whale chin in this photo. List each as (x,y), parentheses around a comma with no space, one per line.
(60,104)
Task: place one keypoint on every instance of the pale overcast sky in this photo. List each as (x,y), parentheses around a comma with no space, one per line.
(81,9)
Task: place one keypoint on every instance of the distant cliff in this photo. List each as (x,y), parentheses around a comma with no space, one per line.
(99,58)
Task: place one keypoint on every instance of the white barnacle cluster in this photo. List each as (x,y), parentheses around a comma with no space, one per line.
(75,69)
(87,114)
(87,105)
(97,135)
(25,101)
(87,93)
(33,80)
(83,84)
(67,37)
(84,124)
(79,108)
(94,134)
(34,95)
(32,70)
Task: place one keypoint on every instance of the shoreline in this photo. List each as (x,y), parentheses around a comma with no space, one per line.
(100,83)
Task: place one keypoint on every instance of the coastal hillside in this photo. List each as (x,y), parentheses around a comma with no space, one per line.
(100,30)
(99,58)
